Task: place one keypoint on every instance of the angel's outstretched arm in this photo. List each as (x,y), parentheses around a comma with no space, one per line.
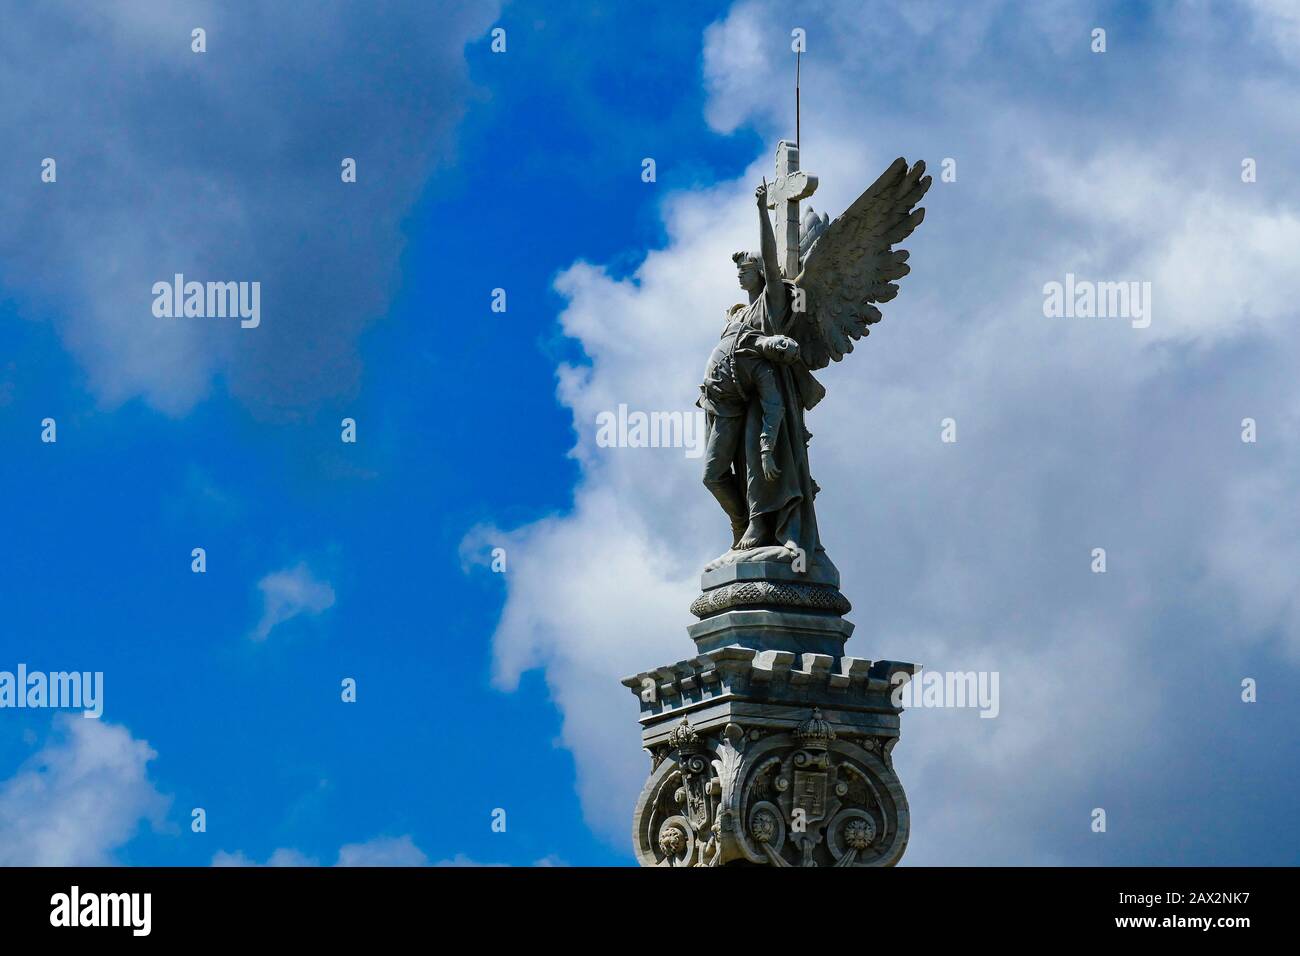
(774,287)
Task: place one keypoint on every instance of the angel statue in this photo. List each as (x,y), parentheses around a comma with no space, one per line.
(758,381)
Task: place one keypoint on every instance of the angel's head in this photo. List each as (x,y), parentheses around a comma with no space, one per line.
(749,271)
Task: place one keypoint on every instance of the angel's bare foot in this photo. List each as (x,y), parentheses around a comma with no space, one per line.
(738,528)
(754,534)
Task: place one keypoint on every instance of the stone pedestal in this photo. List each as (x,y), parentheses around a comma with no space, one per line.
(770,747)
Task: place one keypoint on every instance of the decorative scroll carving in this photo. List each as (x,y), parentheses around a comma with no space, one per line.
(799,797)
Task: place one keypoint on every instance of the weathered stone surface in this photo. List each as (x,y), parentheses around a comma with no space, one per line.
(763,629)
(771,747)
(771,594)
(782,787)
(818,573)
(812,294)
(770,757)
(845,687)
(771,605)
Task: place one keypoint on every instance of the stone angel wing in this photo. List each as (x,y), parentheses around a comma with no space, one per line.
(852,263)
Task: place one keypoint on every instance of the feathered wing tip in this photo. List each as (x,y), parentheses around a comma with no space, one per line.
(851,264)
(811,229)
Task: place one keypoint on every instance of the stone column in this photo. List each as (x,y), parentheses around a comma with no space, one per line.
(770,747)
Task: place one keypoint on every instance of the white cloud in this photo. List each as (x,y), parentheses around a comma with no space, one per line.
(289,593)
(1277,22)
(80,798)
(281,857)
(383,851)
(1073,434)
(1221,264)
(461,860)
(223,166)
(380,851)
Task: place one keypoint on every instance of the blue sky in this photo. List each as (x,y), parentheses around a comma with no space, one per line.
(458,423)
(523,171)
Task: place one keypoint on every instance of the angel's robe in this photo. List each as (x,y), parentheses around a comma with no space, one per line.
(788,500)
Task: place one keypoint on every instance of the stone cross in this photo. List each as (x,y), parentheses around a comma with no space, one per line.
(783,195)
